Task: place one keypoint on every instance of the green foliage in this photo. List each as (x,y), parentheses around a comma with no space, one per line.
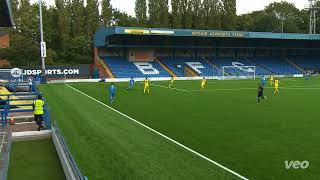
(23,51)
(229,17)
(106,15)
(92,17)
(78,50)
(141,12)
(35,160)
(123,19)
(175,15)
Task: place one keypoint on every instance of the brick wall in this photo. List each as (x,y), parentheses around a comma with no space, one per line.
(4,41)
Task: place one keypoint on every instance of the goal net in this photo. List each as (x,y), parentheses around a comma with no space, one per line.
(238,72)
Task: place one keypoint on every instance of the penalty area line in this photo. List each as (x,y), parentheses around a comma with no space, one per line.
(162,135)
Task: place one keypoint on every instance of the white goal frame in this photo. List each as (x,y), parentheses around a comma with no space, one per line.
(248,69)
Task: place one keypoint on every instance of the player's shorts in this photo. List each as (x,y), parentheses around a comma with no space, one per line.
(276,87)
(111,94)
(260,95)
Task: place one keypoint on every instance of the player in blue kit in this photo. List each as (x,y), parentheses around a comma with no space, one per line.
(264,81)
(112,91)
(131,83)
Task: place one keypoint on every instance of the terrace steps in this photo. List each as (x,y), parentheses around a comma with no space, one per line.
(267,69)
(190,72)
(295,65)
(107,69)
(216,67)
(166,68)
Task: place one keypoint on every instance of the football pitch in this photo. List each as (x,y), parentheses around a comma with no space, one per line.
(188,133)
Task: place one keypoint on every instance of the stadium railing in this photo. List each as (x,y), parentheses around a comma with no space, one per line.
(5,149)
(69,165)
(7,109)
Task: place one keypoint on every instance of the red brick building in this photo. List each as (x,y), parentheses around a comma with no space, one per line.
(4,43)
(4,40)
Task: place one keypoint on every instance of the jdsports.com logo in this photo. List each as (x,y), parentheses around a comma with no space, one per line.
(16,72)
(52,72)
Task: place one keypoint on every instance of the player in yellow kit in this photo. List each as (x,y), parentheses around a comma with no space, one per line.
(171,85)
(276,86)
(271,80)
(203,83)
(146,86)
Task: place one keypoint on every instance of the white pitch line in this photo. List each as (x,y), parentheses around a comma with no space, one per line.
(162,135)
(170,88)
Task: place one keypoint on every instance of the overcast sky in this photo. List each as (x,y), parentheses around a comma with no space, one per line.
(243,6)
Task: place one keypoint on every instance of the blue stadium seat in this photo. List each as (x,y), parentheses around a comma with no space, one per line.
(123,68)
(173,64)
(307,63)
(278,65)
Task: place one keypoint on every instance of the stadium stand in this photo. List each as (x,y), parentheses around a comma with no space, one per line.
(177,66)
(307,63)
(277,65)
(177,47)
(123,68)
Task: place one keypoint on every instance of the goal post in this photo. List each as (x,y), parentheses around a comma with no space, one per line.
(238,72)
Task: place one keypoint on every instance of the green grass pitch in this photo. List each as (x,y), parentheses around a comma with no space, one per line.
(36,160)
(222,122)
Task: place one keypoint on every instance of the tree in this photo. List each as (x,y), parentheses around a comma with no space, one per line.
(154,13)
(77,18)
(158,13)
(286,11)
(196,14)
(164,13)
(141,12)
(92,17)
(23,51)
(186,14)
(64,21)
(77,51)
(229,14)
(211,14)
(264,22)
(28,20)
(176,14)
(106,14)
(123,19)
(50,25)
(318,15)
(245,22)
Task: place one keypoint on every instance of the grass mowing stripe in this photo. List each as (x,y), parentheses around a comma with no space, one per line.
(162,135)
(311,87)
